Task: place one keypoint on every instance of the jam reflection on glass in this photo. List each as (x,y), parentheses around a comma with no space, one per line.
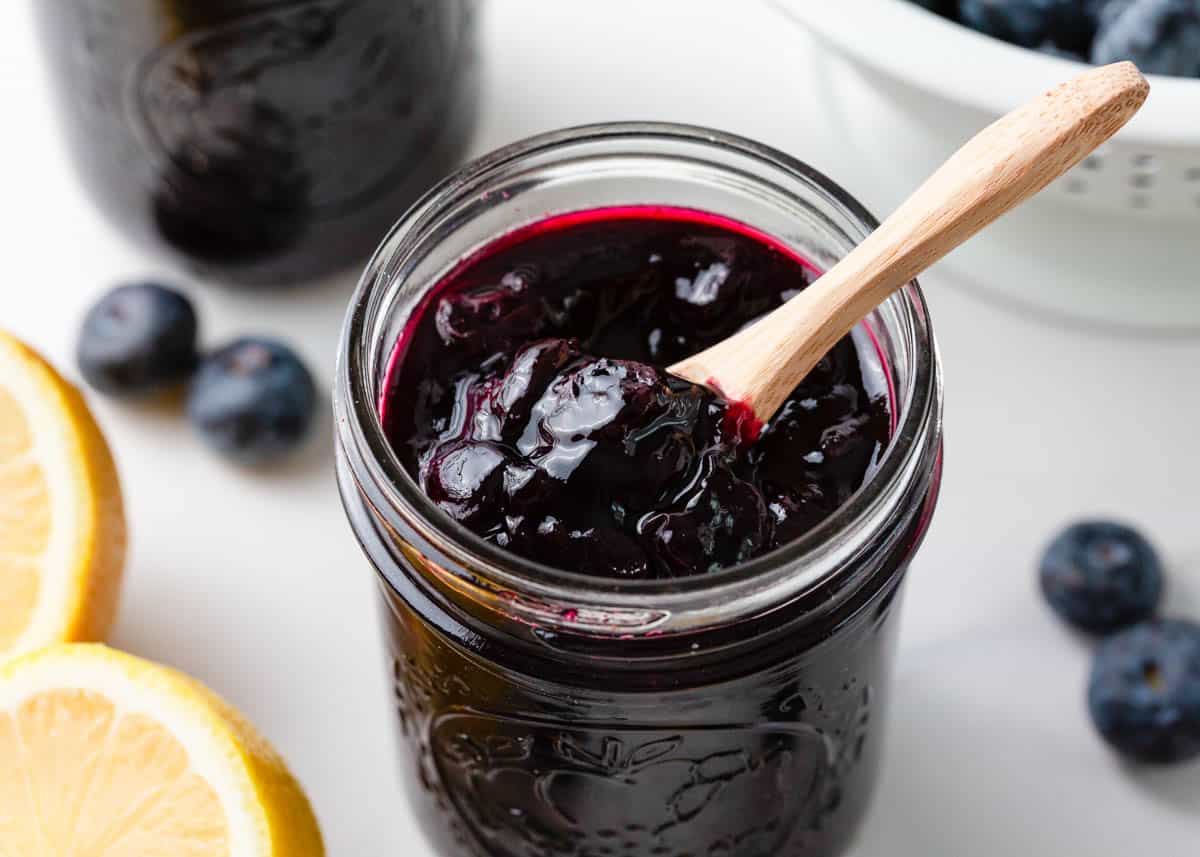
(527,398)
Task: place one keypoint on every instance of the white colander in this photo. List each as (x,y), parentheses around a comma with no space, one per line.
(907,87)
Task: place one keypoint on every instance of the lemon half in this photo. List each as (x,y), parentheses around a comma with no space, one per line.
(105,755)
(62,524)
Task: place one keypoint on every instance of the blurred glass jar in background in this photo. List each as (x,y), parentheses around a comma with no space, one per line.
(262,142)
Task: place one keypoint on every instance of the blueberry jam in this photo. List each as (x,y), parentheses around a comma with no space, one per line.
(528,398)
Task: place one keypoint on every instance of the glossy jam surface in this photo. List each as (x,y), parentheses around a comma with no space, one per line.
(526,398)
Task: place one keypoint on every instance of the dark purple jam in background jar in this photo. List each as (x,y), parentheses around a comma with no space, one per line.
(262,141)
(711,686)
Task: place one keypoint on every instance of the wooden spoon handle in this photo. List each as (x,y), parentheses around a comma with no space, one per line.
(1002,166)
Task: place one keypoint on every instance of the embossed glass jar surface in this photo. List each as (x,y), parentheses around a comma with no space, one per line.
(734,714)
(262,141)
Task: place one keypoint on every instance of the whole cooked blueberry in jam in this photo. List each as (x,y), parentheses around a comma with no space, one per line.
(527,398)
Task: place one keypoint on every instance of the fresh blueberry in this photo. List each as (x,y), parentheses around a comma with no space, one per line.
(1027,22)
(1074,25)
(137,339)
(1144,691)
(1101,576)
(252,400)
(1161,36)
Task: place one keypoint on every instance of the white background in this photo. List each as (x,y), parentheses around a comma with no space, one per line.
(254,584)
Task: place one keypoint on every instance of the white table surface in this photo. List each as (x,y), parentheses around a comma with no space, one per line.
(254,584)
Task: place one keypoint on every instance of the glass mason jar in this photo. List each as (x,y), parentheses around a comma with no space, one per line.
(734,714)
(261,141)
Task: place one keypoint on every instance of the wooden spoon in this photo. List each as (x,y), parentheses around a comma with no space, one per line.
(1001,167)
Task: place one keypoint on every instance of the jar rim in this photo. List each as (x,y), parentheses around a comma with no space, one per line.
(820,551)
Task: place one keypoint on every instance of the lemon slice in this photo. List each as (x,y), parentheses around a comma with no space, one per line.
(106,755)
(62,526)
